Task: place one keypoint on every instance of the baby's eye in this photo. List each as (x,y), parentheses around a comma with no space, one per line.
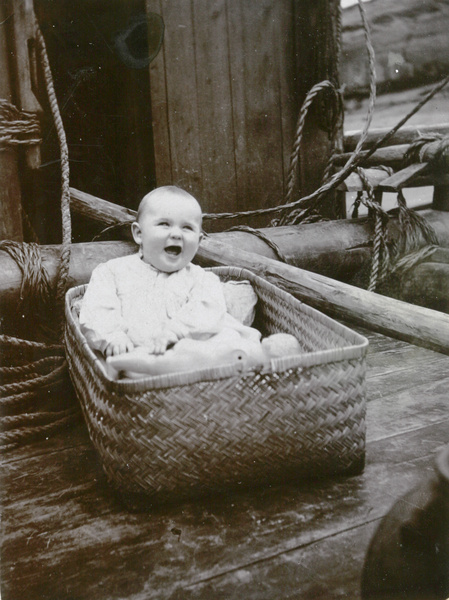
(164,224)
(188,227)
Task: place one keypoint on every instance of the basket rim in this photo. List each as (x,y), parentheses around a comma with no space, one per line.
(356,348)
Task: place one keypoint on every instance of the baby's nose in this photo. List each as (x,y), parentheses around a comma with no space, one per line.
(175,233)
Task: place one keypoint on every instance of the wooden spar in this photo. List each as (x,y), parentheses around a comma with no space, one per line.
(315,247)
(421,326)
(414,324)
(392,155)
(333,248)
(405,135)
(10,196)
(427,284)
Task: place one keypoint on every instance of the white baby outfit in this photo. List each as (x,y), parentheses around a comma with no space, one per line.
(127,295)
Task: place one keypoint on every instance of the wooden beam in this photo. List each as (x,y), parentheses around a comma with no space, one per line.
(414,324)
(405,135)
(333,248)
(404,177)
(393,156)
(390,156)
(353,183)
(322,247)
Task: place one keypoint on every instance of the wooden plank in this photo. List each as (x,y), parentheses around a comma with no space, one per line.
(255,103)
(405,135)
(353,183)
(10,194)
(325,570)
(65,533)
(159,109)
(222,101)
(215,125)
(182,101)
(404,177)
(63,522)
(283,55)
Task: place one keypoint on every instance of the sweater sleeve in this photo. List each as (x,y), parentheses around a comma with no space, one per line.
(101,318)
(204,313)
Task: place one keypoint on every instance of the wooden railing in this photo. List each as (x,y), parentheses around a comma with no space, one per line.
(423,173)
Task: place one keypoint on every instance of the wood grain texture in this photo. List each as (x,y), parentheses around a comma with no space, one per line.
(225,92)
(10,193)
(405,135)
(65,535)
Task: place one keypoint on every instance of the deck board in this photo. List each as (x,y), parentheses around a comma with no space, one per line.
(65,535)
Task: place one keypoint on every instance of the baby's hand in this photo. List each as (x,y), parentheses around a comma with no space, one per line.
(119,345)
(159,345)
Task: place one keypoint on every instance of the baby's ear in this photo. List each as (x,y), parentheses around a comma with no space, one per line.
(137,233)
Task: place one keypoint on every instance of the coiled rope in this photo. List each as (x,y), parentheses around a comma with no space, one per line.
(17,127)
(33,381)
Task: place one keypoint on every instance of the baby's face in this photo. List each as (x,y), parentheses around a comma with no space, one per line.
(169,232)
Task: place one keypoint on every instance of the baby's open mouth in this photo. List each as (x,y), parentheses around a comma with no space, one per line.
(173,250)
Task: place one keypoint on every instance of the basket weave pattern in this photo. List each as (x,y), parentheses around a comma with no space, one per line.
(208,430)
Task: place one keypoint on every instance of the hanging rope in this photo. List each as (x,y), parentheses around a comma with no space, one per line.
(33,380)
(294,159)
(64,263)
(380,258)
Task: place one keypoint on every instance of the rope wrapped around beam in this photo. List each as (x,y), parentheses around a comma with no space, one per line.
(18,127)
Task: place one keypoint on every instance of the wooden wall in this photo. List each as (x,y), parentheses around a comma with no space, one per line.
(225,94)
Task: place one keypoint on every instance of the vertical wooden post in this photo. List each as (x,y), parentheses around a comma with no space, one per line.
(10,195)
(440,200)
(317,54)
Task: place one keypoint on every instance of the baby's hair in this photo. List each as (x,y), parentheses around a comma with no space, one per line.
(160,192)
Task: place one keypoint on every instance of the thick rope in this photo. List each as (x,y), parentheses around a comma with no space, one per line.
(33,376)
(36,295)
(294,158)
(64,263)
(380,248)
(18,128)
(407,262)
(256,232)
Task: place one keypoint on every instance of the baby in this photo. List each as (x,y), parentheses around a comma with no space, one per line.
(138,308)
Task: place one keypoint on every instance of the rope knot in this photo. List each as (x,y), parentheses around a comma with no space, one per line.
(430,148)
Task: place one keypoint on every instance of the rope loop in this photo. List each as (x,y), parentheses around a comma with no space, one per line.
(294,158)
(417,151)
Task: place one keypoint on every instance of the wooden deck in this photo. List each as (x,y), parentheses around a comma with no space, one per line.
(66,537)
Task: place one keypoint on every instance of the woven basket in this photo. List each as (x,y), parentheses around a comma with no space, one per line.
(207,430)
